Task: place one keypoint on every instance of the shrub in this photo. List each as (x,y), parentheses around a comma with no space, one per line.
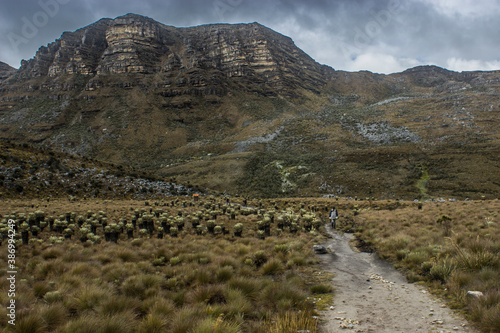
(259,258)
(175,261)
(261,234)
(238,229)
(211,226)
(217,230)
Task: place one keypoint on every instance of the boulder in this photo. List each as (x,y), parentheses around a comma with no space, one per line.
(319,249)
(474,294)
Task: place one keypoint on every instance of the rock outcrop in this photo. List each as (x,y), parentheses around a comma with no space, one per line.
(137,44)
(5,71)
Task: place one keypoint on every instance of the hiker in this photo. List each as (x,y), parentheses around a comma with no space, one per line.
(334,215)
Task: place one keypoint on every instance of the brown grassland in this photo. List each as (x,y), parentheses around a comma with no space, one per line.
(210,279)
(194,279)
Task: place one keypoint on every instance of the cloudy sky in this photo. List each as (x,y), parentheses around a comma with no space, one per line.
(383,36)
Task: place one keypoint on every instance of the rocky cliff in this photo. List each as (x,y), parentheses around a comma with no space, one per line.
(216,104)
(5,71)
(136,44)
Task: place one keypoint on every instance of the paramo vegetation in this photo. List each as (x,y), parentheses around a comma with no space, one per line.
(166,266)
(175,265)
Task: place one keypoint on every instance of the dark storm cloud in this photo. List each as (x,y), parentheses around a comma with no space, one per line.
(381,36)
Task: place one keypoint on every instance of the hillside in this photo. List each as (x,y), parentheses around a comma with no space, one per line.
(239,108)
(26,172)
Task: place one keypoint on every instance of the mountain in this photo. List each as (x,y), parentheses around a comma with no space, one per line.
(240,108)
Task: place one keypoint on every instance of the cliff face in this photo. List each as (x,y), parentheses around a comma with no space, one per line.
(134,91)
(136,44)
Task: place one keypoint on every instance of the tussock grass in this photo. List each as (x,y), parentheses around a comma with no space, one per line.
(83,324)
(153,323)
(218,325)
(90,297)
(119,304)
(30,323)
(321,289)
(272,267)
(290,322)
(54,315)
(188,283)
(117,323)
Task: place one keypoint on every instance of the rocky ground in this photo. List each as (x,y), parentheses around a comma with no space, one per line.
(371,296)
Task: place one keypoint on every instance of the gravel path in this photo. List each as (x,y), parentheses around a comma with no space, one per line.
(371,296)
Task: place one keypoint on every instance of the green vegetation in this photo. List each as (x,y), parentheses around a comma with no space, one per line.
(422,183)
(261,176)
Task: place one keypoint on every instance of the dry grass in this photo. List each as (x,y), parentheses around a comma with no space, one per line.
(189,283)
(455,254)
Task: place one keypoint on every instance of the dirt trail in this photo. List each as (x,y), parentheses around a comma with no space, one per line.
(371,296)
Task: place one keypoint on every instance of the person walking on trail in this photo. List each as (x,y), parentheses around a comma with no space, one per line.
(334,215)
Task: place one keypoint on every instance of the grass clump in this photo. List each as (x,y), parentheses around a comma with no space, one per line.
(291,322)
(321,289)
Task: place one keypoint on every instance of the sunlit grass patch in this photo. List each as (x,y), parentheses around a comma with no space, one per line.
(291,322)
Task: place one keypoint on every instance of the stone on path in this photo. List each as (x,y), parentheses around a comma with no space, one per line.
(319,249)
